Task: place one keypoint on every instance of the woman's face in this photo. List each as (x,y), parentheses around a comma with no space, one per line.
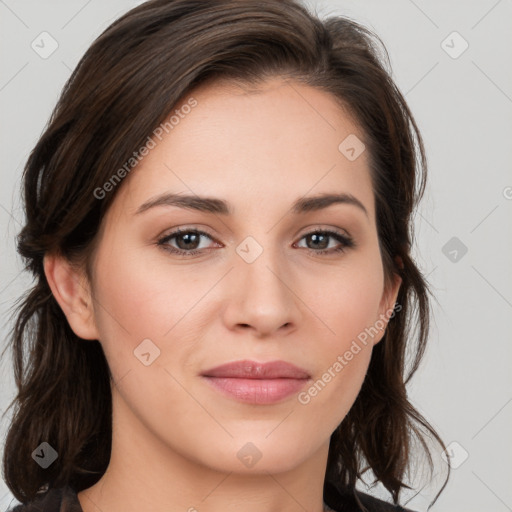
(253,286)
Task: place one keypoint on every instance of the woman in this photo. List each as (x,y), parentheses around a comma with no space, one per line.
(219,223)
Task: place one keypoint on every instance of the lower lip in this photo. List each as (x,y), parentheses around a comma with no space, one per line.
(257,391)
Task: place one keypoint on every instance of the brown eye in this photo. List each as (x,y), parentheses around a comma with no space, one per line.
(318,242)
(186,240)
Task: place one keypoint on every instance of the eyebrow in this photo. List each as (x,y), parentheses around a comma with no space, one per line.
(221,207)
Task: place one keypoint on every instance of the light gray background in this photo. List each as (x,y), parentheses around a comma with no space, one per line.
(463,106)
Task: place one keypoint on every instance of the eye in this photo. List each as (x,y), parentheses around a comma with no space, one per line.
(188,241)
(321,240)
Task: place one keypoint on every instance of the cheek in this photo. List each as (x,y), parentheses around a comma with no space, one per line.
(133,302)
(349,307)
(142,294)
(348,303)
(138,301)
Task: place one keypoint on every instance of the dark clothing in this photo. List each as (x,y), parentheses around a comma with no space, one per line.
(340,501)
(65,499)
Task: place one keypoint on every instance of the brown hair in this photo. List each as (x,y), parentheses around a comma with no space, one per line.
(125,86)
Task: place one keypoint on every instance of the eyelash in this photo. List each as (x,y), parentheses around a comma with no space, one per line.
(346,241)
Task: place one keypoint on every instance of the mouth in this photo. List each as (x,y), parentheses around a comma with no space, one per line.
(257,383)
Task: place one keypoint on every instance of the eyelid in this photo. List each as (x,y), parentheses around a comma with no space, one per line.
(176,231)
(312,228)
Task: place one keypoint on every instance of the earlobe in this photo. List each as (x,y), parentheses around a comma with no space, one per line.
(71,291)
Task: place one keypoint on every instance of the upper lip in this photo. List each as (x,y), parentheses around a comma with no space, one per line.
(253,370)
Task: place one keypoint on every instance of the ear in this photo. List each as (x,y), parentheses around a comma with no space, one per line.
(72,291)
(387,303)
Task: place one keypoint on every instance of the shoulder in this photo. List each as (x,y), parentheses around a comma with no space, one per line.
(62,499)
(376,505)
(341,500)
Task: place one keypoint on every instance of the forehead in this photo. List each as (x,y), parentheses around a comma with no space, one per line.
(251,146)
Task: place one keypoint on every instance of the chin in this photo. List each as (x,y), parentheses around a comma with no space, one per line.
(256,456)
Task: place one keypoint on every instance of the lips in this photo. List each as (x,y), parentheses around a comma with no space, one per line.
(257,383)
(253,370)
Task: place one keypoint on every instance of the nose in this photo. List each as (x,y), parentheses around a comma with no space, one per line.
(262,298)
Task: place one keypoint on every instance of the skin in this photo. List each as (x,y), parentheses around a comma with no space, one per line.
(175,438)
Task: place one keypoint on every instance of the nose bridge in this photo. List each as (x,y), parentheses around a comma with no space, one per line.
(262,266)
(263,298)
